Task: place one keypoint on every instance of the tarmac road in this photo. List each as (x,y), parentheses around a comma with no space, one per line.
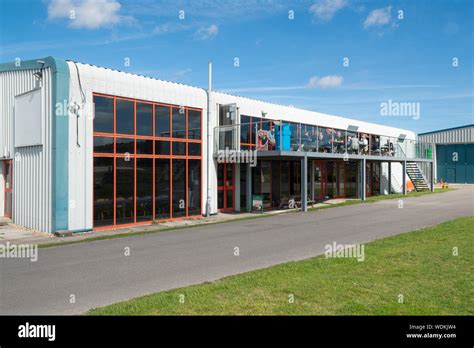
(99,273)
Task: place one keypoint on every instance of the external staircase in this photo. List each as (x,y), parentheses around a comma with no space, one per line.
(416,176)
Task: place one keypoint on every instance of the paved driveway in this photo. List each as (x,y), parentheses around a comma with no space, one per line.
(98,273)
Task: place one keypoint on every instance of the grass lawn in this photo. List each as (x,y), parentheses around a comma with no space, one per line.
(419,265)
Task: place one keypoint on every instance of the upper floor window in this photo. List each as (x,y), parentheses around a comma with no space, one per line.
(124,116)
(144,119)
(194,124)
(103,114)
(179,122)
(162,121)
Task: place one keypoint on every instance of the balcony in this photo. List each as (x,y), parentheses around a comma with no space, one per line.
(281,137)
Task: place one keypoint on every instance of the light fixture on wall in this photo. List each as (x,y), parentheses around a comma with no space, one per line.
(264,114)
(352,128)
(38,75)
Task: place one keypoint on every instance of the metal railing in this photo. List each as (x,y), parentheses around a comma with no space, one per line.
(285,136)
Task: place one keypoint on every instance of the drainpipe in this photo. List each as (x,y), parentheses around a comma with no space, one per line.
(209,90)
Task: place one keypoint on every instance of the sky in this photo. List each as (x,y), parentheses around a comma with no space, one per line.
(342,57)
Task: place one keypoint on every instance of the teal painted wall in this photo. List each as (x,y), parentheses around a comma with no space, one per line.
(455,163)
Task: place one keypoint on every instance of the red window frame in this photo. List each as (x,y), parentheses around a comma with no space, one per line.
(224,188)
(153,156)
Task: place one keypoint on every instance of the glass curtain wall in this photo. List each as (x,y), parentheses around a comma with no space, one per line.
(147,161)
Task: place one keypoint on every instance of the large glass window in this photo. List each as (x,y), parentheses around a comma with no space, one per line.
(179,123)
(124,116)
(103,114)
(162,147)
(125,145)
(266,176)
(352,143)
(309,138)
(162,121)
(136,183)
(194,149)
(375,145)
(194,124)
(351,179)
(179,188)
(243,186)
(339,141)
(125,200)
(103,144)
(144,189)
(295,135)
(245,128)
(162,189)
(103,191)
(284,178)
(194,187)
(325,139)
(179,148)
(364,144)
(145,146)
(144,119)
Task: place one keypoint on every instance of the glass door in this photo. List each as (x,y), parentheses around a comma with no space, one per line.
(7,175)
(225,186)
(318,168)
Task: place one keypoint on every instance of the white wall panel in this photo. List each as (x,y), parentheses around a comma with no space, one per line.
(100,80)
(31,164)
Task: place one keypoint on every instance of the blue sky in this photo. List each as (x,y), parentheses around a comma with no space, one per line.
(292,61)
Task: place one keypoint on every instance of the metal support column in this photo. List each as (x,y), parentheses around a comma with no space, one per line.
(389,178)
(248,188)
(304,183)
(404,177)
(364,180)
(432,176)
(311,182)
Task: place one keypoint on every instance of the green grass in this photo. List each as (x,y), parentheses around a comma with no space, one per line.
(256,216)
(420,265)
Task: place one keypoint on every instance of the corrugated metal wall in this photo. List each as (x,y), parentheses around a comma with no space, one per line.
(32,164)
(462,135)
(450,136)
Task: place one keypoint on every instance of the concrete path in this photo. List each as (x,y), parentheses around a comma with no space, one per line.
(98,273)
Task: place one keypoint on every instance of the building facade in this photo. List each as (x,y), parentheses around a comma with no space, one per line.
(85,147)
(453,154)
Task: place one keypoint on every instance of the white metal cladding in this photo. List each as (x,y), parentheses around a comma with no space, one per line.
(450,136)
(253,107)
(2,188)
(31,164)
(101,80)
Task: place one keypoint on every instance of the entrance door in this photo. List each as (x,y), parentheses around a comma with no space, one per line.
(225,186)
(319,179)
(335,179)
(7,174)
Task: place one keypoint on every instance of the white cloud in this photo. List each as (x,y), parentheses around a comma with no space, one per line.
(88,14)
(205,33)
(326,9)
(325,82)
(378,17)
(182,73)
